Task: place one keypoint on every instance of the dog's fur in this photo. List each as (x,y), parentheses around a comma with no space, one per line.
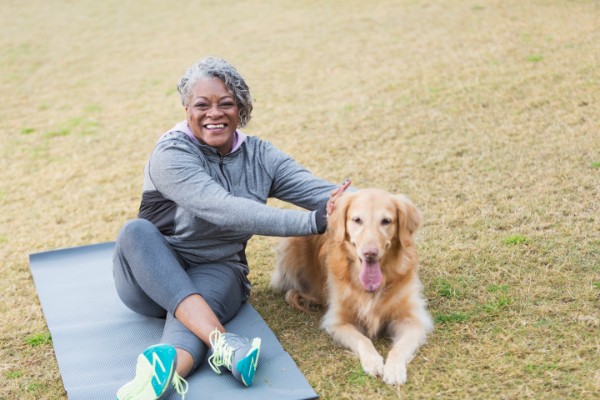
(369,230)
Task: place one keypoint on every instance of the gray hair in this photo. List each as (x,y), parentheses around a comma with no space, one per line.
(212,67)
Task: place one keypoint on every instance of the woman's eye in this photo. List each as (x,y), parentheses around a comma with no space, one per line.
(201,105)
(228,105)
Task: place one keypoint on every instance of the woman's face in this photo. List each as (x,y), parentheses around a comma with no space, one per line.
(213,114)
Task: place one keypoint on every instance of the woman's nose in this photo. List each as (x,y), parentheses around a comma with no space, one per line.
(214,111)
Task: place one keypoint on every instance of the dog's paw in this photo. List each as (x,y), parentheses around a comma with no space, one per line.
(372,364)
(394,374)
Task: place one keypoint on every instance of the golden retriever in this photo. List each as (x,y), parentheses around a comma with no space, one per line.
(364,270)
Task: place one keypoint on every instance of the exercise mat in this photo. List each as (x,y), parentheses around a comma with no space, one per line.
(97,339)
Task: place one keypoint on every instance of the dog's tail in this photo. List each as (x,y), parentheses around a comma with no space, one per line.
(301,301)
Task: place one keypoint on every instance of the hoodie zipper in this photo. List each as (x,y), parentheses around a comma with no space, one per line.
(222,168)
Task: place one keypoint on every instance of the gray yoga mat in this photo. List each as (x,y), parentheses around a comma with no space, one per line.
(97,339)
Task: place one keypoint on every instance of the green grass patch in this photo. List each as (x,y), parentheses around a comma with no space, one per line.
(496,306)
(451,318)
(27,131)
(514,240)
(38,339)
(444,288)
(535,58)
(76,125)
(537,368)
(36,387)
(497,288)
(57,132)
(451,287)
(596,164)
(358,377)
(500,302)
(13,373)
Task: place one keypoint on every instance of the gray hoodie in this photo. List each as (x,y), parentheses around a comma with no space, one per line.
(208,205)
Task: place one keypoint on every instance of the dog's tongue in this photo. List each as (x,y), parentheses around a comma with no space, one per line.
(370,275)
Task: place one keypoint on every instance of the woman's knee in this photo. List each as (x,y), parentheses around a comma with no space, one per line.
(135,230)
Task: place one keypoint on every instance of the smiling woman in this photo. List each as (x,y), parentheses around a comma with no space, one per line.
(212,67)
(217,101)
(206,186)
(212,114)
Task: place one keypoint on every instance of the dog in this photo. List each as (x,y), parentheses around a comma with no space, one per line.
(364,270)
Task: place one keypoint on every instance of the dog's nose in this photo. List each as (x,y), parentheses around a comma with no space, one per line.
(370,253)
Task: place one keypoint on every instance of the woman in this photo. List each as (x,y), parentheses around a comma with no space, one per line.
(205,190)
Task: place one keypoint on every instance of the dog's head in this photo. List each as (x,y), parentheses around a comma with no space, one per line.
(375,223)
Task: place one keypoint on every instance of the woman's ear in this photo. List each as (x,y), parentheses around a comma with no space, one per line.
(409,219)
(337,219)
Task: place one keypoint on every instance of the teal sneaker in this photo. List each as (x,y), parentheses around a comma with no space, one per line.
(236,353)
(154,375)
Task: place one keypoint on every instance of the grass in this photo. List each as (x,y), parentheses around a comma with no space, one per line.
(515,240)
(38,339)
(484,113)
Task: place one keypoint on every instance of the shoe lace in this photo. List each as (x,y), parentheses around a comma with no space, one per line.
(222,352)
(180,385)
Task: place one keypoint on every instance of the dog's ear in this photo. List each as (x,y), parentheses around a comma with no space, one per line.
(409,219)
(337,219)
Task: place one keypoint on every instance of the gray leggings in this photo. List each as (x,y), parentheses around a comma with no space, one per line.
(151,279)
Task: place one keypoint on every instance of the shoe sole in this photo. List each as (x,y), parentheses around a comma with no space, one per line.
(247,365)
(154,388)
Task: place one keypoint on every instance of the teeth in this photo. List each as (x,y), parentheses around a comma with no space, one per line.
(217,126)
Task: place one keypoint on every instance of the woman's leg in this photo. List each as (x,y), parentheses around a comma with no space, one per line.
(148,275)
(222,289)
(150,280)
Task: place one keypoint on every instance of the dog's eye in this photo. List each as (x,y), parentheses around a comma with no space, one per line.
(357,220)
(386,221)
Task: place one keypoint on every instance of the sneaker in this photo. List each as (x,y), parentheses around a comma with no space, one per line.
(236,353)
(154,375)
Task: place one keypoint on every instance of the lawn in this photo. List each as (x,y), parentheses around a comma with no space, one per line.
(485,113)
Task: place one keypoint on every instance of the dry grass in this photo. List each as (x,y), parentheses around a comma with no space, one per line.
(486,113)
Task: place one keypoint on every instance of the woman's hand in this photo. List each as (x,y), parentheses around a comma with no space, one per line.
(336,194)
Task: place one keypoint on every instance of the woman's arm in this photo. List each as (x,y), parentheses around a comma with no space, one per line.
(179,174)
